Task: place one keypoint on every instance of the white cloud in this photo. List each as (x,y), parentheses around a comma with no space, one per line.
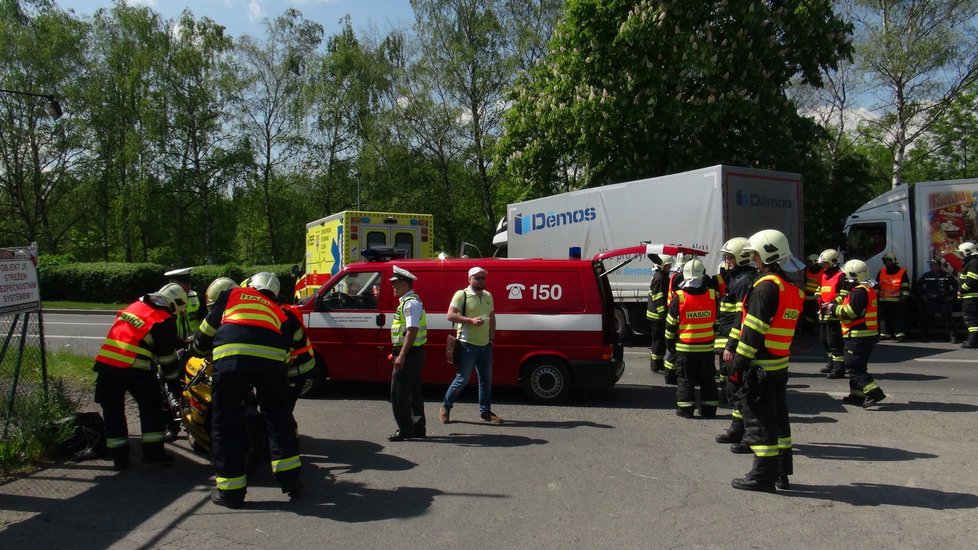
(147,3)
(255,11)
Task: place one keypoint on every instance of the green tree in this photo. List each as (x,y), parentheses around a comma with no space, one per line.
(918,56)
(40,52)
(273,112)
(950,149)
(201,155)
(128,44)
(642,88)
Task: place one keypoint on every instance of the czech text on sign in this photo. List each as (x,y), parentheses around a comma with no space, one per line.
(19,292)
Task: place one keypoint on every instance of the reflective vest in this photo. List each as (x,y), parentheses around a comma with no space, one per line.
(123,346)
(778,336)
(187,320)
(867,325)
(813,281)
(399,329)
(890,285)
(301,358)
(828,292)
(697,315)
(248,307)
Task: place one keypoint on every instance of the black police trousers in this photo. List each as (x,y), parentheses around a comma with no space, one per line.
(407,401)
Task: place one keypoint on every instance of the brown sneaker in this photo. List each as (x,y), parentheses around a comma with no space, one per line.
(491,417)
(443,415)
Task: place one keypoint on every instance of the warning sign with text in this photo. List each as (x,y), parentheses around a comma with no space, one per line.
(19,291)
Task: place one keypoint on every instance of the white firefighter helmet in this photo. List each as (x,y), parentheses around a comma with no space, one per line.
(856,270)
(735,247)
(967,248)
(265,282)
(693,269)
(770,245)
(218,286)
(175,296)
(829,256)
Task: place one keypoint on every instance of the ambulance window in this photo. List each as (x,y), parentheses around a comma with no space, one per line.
(405,242)
(376,238)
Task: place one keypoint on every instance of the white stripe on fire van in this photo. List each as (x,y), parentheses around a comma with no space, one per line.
(511,321)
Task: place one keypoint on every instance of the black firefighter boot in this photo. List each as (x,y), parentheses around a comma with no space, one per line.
(733,434)
(120,458)
(153,453)
(972,341)
(838,371)
(761,477)
(873,398)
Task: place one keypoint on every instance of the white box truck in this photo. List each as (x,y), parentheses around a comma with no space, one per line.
(916,223)
(701,209)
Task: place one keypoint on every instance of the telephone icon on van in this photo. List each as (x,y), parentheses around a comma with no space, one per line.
(515,291)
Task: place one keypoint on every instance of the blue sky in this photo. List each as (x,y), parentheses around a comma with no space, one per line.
(245,16)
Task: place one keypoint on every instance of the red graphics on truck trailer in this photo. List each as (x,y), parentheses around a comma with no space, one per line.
(554,323)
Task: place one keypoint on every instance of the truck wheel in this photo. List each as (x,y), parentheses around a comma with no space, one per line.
(547,380)
(315,382)
(622,330)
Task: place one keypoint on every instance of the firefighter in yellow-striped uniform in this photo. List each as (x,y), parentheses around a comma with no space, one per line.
(859,315)
(249,337)
(301,358)
(143,334)
(813,280)
(894,291)
(690,326)
(832,290)
(740,277)
(968,291)
(771,313)
(189,319)
(656,309)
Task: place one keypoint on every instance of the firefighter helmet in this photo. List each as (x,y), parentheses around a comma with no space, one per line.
(693,269)
(175,296)
(770,245)
(735,247)
(265,282)
(968,248)
(662,260)
(856,270)
(889,256)
(829,256)
(812,258)
(218,286)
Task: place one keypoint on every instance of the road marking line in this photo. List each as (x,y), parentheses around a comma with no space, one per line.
(947,360)
(49,336)
(49,323)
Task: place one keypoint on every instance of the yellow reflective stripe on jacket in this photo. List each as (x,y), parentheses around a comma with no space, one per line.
(286,464)
(707,346)
(771,365)
(206,329)
(232,483)
(254,350)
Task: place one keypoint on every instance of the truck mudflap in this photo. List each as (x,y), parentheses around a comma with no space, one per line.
(599,374)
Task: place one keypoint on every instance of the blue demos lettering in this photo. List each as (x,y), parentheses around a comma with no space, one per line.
(636,271)
(524,223)
(745,198)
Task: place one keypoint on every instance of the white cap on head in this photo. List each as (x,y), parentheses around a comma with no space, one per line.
(476,270)
(182,272)
(401,274)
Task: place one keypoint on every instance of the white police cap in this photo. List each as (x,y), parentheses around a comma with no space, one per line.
(402,275)
(182,272)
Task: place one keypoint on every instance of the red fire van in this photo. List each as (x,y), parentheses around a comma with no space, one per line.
(554,323)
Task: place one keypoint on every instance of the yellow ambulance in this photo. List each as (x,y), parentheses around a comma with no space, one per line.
(339,239)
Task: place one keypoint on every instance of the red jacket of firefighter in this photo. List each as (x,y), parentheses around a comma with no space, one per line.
(123,347)
(830,288)
(777,336)
(867,325)
(891,285)
(813,281)
(697,317)
(252,326)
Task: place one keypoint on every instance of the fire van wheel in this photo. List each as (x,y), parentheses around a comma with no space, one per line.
(547,380)
(315,383)
(622,331)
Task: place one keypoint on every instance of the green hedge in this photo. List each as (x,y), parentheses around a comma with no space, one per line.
(117,282)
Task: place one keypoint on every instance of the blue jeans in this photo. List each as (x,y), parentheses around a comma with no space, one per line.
(479,357)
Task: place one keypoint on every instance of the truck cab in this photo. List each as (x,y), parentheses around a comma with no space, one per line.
(882,225)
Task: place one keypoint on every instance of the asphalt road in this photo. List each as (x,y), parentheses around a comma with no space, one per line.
(614,469)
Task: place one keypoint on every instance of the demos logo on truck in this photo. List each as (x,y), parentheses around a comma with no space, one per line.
(747,198)
(525,223)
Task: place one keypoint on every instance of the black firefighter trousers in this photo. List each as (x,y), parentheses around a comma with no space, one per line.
(765,411)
